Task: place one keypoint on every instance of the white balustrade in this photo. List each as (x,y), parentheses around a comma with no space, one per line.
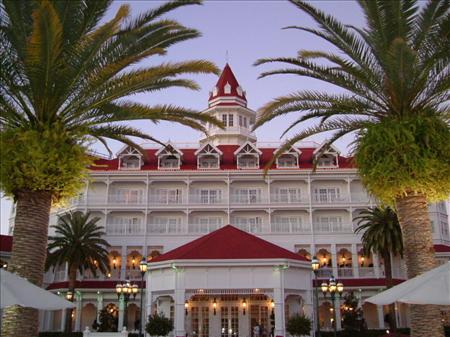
(202,228)
(366,272)
(125,199)
(205,200)
(289,228)
(166,228)
(247,199)
(325,272)
(329,199)
(287,199)
(345,272)
(332,228)
(125,229)
(166,200)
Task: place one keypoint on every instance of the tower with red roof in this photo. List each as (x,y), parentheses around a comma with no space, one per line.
(228,103)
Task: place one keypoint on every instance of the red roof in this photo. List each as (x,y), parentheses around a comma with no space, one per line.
(227,161)
(227,77)
(228,243)
(6,243)
(441,249)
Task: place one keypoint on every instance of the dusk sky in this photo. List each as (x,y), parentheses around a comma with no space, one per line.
(248,30)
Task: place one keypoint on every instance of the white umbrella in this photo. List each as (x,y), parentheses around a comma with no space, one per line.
(432,287)
(15,290)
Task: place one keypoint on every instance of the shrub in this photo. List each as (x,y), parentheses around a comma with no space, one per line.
(158,325)
(299,325)
(60,334)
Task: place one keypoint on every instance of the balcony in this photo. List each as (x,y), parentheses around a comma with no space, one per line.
(329,199)
(251,228)
(325,272)
(203,228)
(361,198)
(166,200)
(278,198)
(125,199)
(281,228)
(366,272)
(332,228)
(345,272)
(167,228)
(207,200)
(243,199)
(125,229)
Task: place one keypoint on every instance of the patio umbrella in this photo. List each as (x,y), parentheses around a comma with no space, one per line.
(15,290)
(432,287)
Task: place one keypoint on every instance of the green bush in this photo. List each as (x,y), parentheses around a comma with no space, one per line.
(158,325)
(299,325)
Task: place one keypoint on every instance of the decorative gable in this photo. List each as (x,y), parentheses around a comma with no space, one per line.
(208,157)
(130,159)
(169,157)
(328,157)
(289,159)
(227,88)
(247,156)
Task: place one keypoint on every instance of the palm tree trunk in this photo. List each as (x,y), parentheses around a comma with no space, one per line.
(419,255)
(28,257)
(72,281)
(389,284)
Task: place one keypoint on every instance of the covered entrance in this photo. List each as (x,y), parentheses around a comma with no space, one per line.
(229,284)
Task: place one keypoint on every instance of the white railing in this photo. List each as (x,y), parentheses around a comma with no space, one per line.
(345,272)
(250,228)
(325,272)
(318,199)
(366,272)
(203,228)
(289,228)
(123,199)
(332,228)
(125,229)
(166,200)
(60,275)
(247,199)
(197,199)
(287,199)
(165,228)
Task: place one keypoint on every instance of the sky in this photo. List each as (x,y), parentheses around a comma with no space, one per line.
(246,31)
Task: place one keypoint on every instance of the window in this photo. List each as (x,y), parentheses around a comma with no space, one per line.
(230,120)
(130,162)
(224,119)
(126,196)
(205,224)
(207,196)
(165,225)
(324,195)
(248,161)
(287,224)
(287,195)
(245,121)
(328,224)
(249,224)
(286,161)
(168,196)
(247,196)
(240,120)
(169,162)
(208,162)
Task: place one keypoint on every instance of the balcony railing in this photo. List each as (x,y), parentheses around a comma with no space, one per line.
(366,272)
(345,272)
(251,228)
(332,228)
(123,199)
(125,229)
(287,199)
(166,200)
(247,199)
(167,228)
(198,199)
(325,272)
(289,228)
(361,198)
(203,228)
(319,199)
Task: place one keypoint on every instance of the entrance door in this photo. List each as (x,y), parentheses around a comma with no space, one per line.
(259,316)
(229,321)
(200,321)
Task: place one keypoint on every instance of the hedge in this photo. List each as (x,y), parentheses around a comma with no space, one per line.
(371,333)
(71,334)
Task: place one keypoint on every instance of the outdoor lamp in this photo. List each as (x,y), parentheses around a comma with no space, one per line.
(332,285)
(114,262)
(143,266)
(135,290)
(133,262)
(324,287)
(244,305)
(214,306)
(340,288)
(186,307)
(69,295)
(272,305)
(118,289)
(315,264)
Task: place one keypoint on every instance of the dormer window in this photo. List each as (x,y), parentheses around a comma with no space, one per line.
(130,159)
(169,158)
(328,158)
(215,91)
(208,157)
(289,159)
(227,88)
(239,90)
(247,156)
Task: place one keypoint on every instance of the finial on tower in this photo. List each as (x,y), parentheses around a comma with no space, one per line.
(227,56)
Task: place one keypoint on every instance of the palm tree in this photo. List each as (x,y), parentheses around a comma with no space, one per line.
(394,74)
(382,235)
(65,72)
(78,243)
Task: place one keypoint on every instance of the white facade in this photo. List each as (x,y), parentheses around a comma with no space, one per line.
(189,191)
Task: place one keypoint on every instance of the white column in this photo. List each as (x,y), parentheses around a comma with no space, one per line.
(63,319)
(79,306)
(180,298)
(121,314)
(337,310)
(123,265)
(355,262)
(334,260)
(279,312)
(380,315)
(99,305)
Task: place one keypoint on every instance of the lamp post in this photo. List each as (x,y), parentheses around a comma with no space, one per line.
(332,287)
(315,265)
(143,266)
(125,291)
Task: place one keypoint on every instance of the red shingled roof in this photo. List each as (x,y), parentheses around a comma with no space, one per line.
(228,243)
(227,161)
(441,249)
(227,76)
(6,243)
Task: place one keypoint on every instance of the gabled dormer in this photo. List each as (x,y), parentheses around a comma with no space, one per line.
(247,156)
(329,157)
(289,159)
(227,90)
(130,159)
(208,157)
(169,158)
